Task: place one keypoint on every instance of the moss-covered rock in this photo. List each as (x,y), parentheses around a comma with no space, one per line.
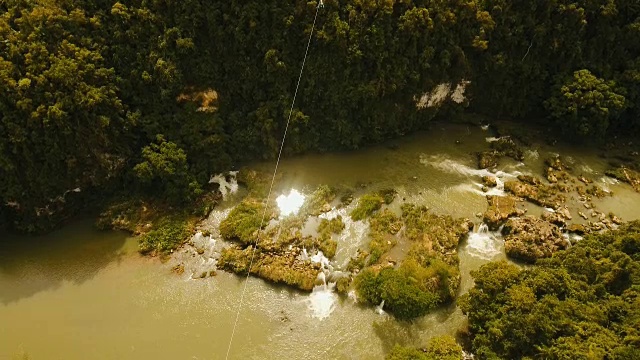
(319,201)
(539,194)
(488,159)
(500,209)
(429,274)
(367,205)
(168,235)
(489,181)
(283,267)
(625,174)
(530,238)
(244,220)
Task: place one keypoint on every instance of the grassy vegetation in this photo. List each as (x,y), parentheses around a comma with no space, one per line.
(276,267)
(402,289)
(429,274)
(438,348)
(161,227)
(169,234)
(244,220)
(367,205)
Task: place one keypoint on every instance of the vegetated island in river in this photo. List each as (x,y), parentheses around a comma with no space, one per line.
(411,280)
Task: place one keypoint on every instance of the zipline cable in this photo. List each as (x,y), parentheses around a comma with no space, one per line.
(273,178)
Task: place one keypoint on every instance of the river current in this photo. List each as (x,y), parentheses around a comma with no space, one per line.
(79,293)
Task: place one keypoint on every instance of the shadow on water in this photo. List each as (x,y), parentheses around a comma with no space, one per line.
(76,253)
(412,333)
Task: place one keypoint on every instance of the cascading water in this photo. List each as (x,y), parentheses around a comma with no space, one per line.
(323,299)
(483,243)
(228,183)
(451,166)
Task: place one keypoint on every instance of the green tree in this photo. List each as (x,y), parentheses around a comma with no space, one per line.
(585,105)
(583,303)
(164,167)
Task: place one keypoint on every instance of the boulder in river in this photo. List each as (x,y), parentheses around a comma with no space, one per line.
(500,209)
(489,181)
(530,238)
(539,194)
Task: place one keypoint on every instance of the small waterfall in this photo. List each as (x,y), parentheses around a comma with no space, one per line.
(226,187)
(322,300)
(379,308)
(483,243)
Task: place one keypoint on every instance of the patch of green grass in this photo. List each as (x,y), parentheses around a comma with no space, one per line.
(275,267)
(385,222)
(333,226)
(243,221)
(367,205)
(169,235)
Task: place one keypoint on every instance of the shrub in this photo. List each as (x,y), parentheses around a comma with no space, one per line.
(243,221)
(367,205)
(169,235)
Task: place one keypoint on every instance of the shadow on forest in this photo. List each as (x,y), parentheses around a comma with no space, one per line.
(76,253)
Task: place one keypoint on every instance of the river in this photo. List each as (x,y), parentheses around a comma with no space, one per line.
(78,293)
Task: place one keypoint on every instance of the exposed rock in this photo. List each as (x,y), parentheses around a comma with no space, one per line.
(488,159)
(528,179)
(576,229)
(538,194)
(564,212)
(505,146)
(584,180)
(627,175)
(500,209)
(554,218)
(530,238)
(556,163)
(178,269)
(615,219)
(489,181)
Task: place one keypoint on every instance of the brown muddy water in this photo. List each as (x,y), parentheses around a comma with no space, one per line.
(82,294)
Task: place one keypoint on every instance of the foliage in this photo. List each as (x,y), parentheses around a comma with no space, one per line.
(86,87)
(165,168)
(583,302)
(243,221)
(403,290)
(585,105)
(438,348)
(367,205)
(169,235)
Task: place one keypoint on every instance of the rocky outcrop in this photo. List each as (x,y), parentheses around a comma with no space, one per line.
(501,147)
(627,175)
(533,190)
(530,238)
(490,181)
(500,209)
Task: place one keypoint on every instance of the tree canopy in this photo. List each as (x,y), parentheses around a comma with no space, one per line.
(87,85)
(583,303)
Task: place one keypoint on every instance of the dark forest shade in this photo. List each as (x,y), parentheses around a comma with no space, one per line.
(87,87)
